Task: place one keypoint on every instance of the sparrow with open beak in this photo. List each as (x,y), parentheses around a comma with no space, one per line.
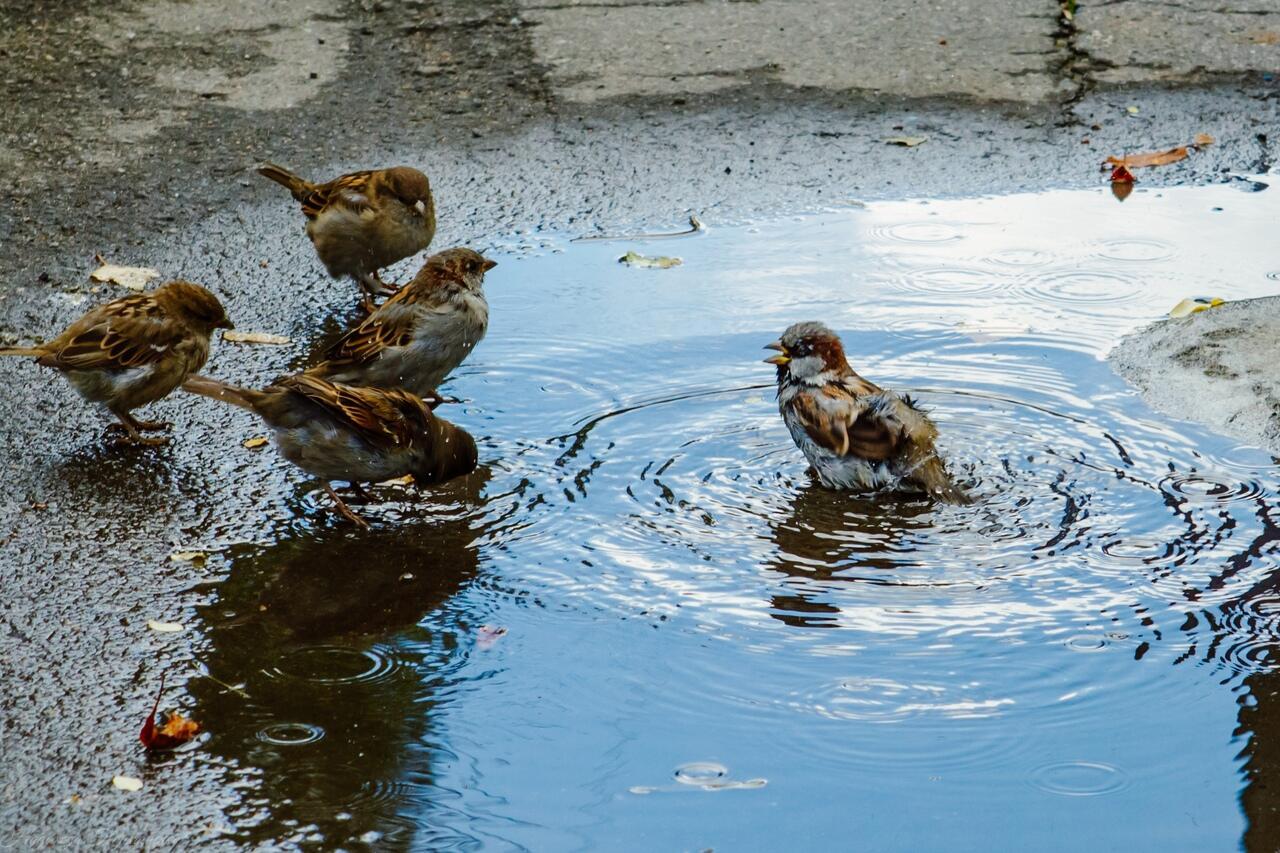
(420,335)
(364,221)
(339,432)
(855,434)
(134,350)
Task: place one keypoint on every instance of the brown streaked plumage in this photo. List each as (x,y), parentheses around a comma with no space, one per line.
(341,432)
(364,221)
(419,335)
(135,350)
(855,434)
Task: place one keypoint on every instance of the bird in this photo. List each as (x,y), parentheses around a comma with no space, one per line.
(419,335)
(135,350)
(342,432)
(856,435)
(364,221)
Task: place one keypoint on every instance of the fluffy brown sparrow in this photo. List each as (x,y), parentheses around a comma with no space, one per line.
(421,333)
(340,432)
(134,350)
(855,434)
(364,221)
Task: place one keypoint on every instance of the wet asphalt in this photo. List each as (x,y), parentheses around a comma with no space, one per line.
(86,530)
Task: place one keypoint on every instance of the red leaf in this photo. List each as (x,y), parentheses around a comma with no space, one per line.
(176,730)
(1121,175)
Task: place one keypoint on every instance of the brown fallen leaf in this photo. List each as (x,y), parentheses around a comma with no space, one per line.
(176,730)
(255,338)
(1153,158)
(255,442)
(1203,139)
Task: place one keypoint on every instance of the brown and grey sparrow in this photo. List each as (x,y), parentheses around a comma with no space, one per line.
(421,333)
(855,434)
(364,221)
(135,350)
(340,432)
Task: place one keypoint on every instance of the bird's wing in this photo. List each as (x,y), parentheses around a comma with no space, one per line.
(129,332)
(389,419)
(352,191)
(837,416)
(392,325)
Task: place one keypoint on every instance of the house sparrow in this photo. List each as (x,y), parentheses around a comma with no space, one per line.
(135,350)
(421,333)
(854,434)
(340,432)
(364,221)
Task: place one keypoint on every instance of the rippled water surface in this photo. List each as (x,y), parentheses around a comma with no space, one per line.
(642,627)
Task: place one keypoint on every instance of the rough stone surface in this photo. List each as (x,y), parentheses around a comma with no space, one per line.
(1217,367)
(1136,41)
(911,50)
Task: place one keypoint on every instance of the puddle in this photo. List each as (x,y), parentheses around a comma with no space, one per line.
(669,583)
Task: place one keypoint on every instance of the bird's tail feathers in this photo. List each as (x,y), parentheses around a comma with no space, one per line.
(216,389)
(299,187)
(932,476)
(31,351)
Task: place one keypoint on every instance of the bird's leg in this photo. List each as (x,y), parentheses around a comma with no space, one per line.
(343,508)
(131,428)
(359,492)
(381,287)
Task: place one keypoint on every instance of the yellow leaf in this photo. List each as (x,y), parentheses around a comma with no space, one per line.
(255,442)
(406,480)
(1203,139)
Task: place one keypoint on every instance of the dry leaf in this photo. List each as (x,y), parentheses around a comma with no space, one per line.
(127,783)
(1194,305)
(906,141)
(406,480)
(1133,111)
(188,556)
(255,442)
(1154,158)
(1203,139)
(176,730)
(1265,37)
(134,278)
(165,627)
(635,259)
(254,338)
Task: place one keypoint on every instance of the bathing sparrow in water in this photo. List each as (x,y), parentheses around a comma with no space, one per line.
(340,432)
(135,350)
(419,335)
(364,221)
(855,434)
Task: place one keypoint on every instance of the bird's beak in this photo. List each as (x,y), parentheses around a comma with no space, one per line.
(420,206)
(226,323)
(781,358)
(488,264)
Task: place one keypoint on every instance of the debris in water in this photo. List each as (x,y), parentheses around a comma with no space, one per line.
(488,635)
(255,442)
(1153,158)
(1203,139)
(195,557)
(165,627)
(406,480)
(1121,175)
(254,338)
(1195,305)
(133,278)
(658,262)
(906,141)
(127,783)
(176,730)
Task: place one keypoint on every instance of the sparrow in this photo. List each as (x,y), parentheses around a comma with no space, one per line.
(855,434)
(364,221)
(341,432)
(419,335)
(134,350)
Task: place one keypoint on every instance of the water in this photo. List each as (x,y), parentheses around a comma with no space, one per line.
(640,626)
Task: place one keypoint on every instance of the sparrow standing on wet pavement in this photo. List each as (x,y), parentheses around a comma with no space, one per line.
(135,350)
(364,221)
(420,335)
(854,434)
(339,432)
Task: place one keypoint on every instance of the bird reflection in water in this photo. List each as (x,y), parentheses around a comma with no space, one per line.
(342,641)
